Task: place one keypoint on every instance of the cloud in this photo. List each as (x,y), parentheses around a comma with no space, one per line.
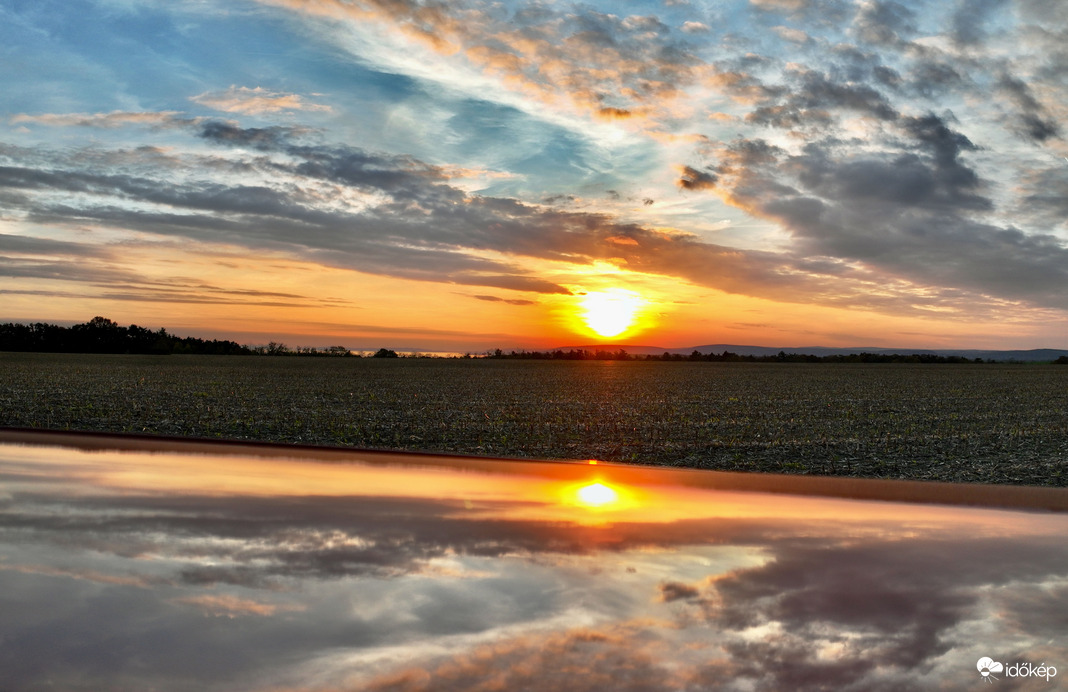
(262,138)
(695,28)
(115,119)
(510,301)
(385,239)
(1032,120)
(405,219)
(862,95)
(908,213)
(255,101)
(970,18)
(781,5)
(791,34)
(812,100)
(594,62)
(1044,196)
(692,179)
(884,22)
(399,216)
(31,245)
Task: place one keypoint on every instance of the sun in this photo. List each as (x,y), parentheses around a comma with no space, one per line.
(612,311)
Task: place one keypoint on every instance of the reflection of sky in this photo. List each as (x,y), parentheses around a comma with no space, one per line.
(121,569)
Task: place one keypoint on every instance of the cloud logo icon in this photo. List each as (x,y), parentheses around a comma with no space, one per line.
(987,667)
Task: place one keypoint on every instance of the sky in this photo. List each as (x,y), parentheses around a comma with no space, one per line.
(462,176)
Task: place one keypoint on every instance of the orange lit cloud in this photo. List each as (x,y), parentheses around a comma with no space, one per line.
(612,68)
(255,101)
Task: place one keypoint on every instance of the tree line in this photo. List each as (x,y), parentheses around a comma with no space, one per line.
(101,335)
(729,357)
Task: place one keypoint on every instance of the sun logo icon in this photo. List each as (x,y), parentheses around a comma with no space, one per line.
(987,667)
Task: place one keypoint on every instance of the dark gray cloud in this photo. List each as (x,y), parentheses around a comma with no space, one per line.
(262,138)
(933,79)
(912,211)
(1032,120)
(26,245)
(63,270)
(884,22)
(812,99)
(1044,200)
(971,17)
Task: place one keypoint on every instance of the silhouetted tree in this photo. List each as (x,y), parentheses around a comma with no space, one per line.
(101,335)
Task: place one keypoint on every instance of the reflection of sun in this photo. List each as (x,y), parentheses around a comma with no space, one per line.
(612,311)
(598,500)
(597,495)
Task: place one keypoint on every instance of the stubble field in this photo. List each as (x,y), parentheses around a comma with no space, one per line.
(966,423)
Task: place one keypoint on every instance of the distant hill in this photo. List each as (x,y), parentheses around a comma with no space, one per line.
(1023,356)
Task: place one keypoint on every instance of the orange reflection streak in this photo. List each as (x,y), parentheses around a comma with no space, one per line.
(597,494)
(578,492)
(599,499)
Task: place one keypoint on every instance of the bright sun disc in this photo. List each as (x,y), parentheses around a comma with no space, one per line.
(612,311)
(597,494)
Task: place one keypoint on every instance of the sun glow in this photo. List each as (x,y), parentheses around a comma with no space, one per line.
(612,311)
(597,495)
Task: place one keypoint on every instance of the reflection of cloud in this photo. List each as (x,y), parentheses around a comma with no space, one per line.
(477,599)
(229,606)
(577,660)
(675,591)
(87,575)
(882,600)
(1025,608)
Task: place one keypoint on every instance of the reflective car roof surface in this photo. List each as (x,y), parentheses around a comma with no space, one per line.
(145,563)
